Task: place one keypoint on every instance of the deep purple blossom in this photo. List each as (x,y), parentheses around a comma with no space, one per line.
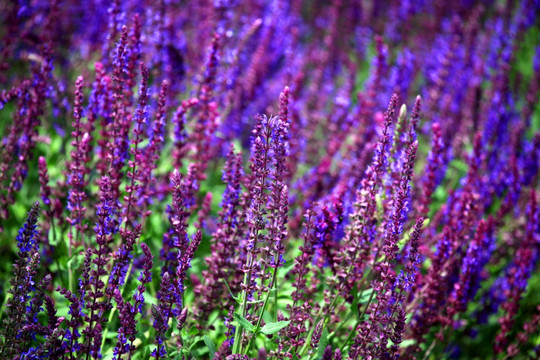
(22,284)
(144,278)
(77,170)
(518,274)
(343,229)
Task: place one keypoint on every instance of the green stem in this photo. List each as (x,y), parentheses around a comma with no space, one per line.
(276,300)
(70,279)
(332,304)
(236,346)
(340,326)
(351,334)
(3,308)
(70,254)
(238,334)
(257,327)
(358,320)
(429,350)
(113,310)
(59,273)
(304,348)
(167,349)
(53,227)
(312,329)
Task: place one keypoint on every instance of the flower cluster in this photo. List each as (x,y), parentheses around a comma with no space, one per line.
(269,180)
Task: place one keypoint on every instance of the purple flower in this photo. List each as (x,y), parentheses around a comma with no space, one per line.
(144,278)
(518,274)
(22,284)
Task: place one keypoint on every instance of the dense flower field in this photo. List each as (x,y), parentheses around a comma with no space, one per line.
(252,179)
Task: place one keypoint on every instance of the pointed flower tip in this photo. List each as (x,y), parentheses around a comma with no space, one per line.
(403,111)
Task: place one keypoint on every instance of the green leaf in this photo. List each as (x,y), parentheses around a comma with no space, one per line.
(408,318)
(407,342)
(75,261)
(459,165)
(169,331)
(210,345)
(112,335)
(230,292)
(288,266)
(54,237)
(255,302)
(379,203)
(243,322)
(364,297)
(322,344)
(145,354)
(193,331)
(360,299)
(274,327)
(195,341)
(354,304)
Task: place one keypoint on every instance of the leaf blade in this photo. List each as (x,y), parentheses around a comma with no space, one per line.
(243,322)
(274,327)
(210,345)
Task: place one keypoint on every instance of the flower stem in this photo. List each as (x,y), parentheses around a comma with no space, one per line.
(257,327)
